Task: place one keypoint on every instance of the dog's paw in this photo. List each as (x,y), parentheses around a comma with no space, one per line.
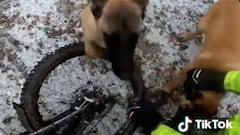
(185,36)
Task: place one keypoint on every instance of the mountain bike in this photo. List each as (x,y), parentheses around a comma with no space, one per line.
(80,104)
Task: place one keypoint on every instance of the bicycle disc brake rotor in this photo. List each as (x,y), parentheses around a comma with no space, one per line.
(89,94)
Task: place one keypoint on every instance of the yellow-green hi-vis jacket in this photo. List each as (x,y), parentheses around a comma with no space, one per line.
(231,83)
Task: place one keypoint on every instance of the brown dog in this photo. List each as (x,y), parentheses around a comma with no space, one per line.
(220,50)
(110,31)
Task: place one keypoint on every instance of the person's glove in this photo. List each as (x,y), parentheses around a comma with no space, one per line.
(144,114)
(204,79)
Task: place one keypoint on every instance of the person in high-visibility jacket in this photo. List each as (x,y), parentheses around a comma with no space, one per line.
(204,79)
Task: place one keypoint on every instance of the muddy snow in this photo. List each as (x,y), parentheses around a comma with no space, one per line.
(30,29)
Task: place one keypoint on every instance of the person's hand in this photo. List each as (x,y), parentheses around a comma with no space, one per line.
(204,79)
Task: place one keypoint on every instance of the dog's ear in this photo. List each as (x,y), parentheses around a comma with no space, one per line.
(96,7)
(142,4)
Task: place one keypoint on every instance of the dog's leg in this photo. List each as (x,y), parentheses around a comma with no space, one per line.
(93,50)
(201,27)
(185,36)
(180,77)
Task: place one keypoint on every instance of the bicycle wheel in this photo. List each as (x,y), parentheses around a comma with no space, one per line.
(41,103)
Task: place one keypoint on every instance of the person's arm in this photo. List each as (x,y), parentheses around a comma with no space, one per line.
(205,79)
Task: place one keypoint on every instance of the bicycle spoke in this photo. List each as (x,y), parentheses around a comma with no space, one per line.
(68,75)
(66,71)
(57,92)
(56,100)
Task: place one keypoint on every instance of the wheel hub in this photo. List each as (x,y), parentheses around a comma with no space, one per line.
(88,94)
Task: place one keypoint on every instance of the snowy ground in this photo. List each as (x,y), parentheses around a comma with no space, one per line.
(29,29)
